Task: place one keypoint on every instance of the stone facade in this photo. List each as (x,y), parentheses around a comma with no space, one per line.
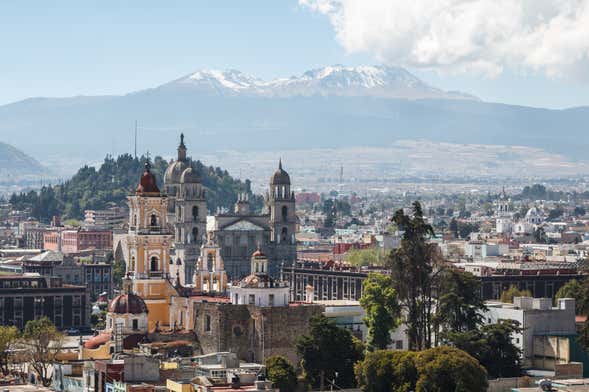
(238,234)
(253,333)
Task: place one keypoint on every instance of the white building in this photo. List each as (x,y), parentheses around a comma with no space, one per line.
(259,288)
(545,330)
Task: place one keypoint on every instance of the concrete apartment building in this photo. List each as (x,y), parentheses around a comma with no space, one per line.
(548,334)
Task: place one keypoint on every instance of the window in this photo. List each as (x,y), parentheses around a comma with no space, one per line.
(154,264)
(271,300)
(179,261)
(153,220)
(284,213)
(252,299)
(135,324)
(284,234)
(195,234)
(207,323)
(399,345)
(210,261)
(195,213)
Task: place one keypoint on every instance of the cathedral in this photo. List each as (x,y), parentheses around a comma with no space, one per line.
(180,263)
(238,234)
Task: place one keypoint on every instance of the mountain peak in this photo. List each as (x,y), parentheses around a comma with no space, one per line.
(337,80)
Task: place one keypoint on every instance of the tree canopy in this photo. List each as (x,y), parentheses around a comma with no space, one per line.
(512,292)
(412,267)
(328,353)
(493,347)
(460,305)
(439,369)
(92,188)
(383,313)
(44,343)
(282,374)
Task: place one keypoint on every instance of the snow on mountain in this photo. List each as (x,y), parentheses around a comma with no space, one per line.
(338,80)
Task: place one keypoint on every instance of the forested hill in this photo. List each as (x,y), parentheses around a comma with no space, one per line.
(115,180)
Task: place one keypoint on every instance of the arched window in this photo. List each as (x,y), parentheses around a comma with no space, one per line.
(179,261)
(154,264)
(171,261)
(284,213)
(195,234)
(207,323)
(153,220)
(195,213)
(284,234)
(210,260)
(132,264)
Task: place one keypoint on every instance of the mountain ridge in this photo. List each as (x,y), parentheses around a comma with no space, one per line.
(335,80)
(217,118)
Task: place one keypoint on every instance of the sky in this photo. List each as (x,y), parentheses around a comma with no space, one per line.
(526,52)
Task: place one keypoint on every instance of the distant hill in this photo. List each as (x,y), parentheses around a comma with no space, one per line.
(330,107)
(115,179)
(15,165)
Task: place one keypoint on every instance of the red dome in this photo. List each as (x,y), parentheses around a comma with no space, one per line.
(127,303)
(147,184)
(258,253)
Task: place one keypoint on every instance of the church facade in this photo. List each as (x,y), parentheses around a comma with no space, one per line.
(238,234)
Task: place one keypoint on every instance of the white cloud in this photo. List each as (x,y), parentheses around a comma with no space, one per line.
(480,36)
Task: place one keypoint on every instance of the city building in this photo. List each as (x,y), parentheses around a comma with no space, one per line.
(328,282)
(30,296)
(548,334)
(238,234)
(111,218)
(70,241)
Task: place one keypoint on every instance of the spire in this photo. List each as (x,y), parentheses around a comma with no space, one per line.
(147,166)
(280,164)
(182,149)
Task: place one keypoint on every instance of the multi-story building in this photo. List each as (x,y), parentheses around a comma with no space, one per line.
(110,218)
(30,296)
(96,276)
(548,334)
(327,282)
(77,240)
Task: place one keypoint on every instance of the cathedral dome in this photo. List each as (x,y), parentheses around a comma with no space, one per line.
(189,176)
(127,303)
(174,172)
(147,184)
(280,176)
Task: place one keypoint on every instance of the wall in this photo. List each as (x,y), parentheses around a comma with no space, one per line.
(251,332)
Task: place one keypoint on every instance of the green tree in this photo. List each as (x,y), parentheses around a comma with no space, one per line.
(439,369)
(44,342)
(387,370)
(365,257)
(412,269)
(579,211)
(383,313)
(454,227)
(282,374)
(118,272)
(326,351)
(444,369)
(460,305)
(493,347)
(577,290)
(8,338)
(513,291)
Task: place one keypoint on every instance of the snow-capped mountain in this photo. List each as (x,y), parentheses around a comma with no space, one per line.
(338,80)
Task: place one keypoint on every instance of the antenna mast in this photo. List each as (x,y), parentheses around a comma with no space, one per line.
(135,138)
